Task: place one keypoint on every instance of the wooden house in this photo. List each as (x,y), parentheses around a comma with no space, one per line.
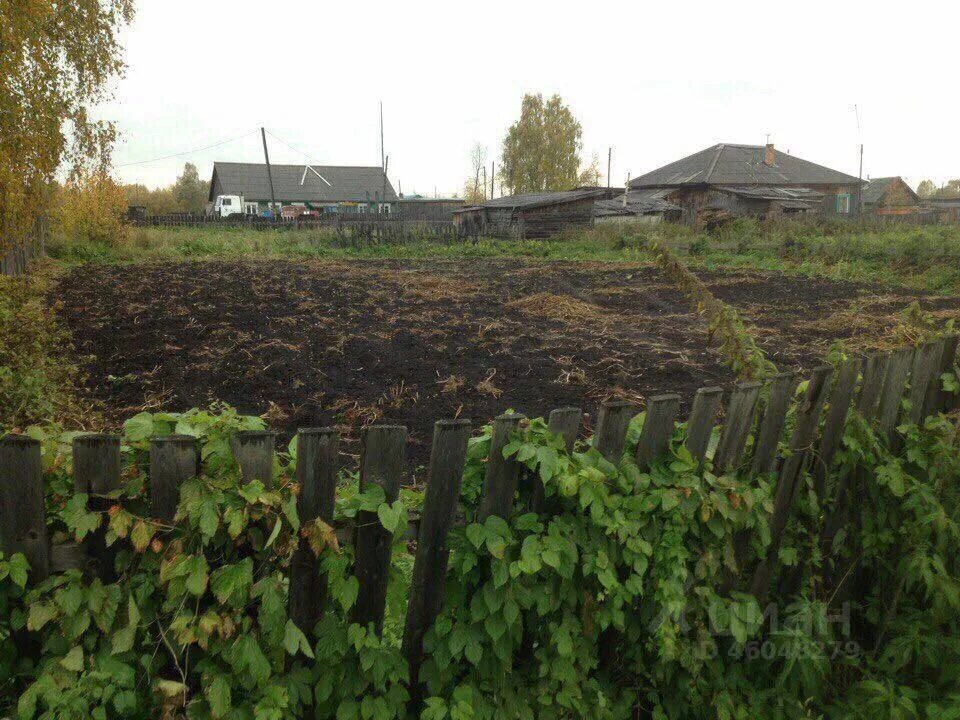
(890,197)
(324,188)
(727,181)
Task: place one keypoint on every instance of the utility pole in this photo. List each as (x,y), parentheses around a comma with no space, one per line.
(386,168)
(609,164)
(484,183)
(266,157)
(493,174)
(383,157)
(860,186)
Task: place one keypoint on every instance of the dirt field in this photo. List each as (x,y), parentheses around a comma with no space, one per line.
(409,342)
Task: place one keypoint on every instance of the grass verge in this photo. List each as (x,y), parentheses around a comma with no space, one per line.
(39,381)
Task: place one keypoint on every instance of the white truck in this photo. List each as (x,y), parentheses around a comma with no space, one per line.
(227,205)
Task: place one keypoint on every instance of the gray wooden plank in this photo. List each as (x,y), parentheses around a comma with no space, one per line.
(736,426)
(658,427)
(774,415)
(703,418)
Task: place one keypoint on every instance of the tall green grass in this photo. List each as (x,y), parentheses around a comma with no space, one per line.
(920,257)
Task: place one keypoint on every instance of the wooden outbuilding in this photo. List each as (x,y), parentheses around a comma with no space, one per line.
(890,196)
(537,215)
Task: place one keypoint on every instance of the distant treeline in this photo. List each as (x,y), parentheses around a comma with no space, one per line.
(187,195)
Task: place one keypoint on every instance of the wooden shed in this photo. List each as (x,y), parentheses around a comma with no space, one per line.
(890,196)
(537,215)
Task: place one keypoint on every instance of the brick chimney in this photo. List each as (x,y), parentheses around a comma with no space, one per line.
(769,158)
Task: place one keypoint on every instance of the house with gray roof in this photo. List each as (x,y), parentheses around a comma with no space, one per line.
(890,196)
(726,181)
(326,188)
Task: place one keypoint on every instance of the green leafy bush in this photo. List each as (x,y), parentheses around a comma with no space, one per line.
(624,598)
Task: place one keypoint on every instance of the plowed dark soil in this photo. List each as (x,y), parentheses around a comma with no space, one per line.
(414,342)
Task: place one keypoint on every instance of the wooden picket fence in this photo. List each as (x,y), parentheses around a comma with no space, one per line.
(17,258)
(875,386)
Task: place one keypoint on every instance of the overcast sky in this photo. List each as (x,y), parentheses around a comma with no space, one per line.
(656,81)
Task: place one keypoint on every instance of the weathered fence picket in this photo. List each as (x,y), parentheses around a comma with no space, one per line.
(836,419)
(317,450)
(23,526)
(564,422)
(808,415)
(657,428)
(447,459)
(875,386)
(737,425)
(703,417)
(173,459)
(774,417)
(253,451)
(96,463)
(503,474)
(611,430)
(383,463)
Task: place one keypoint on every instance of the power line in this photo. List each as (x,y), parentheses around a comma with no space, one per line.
(308,156)
(188,152)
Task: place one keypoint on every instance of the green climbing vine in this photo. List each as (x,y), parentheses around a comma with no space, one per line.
(623,598)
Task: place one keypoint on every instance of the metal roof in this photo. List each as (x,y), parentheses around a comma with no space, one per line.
(535,200)
(301,183)
(768,192)
(727,164)
(878,187)
(639,202)
(425,199)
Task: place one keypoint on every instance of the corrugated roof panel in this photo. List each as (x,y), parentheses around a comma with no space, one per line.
(298,183)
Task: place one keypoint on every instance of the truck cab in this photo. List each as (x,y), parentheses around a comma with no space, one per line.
(227,205)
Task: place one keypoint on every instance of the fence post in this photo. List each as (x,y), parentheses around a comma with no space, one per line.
(836,421)
(808,416)
(447,459)
(657,429)
(923,377)
(96,463)
(253,451)
(874,371)
(564,422)
(939,400)
(173,459)
(23,526)
(774,416)
(317,450)
(703,416)
(96,471)
(611,430)
(736,426)
(383,463)
(894,385)
(502,475)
